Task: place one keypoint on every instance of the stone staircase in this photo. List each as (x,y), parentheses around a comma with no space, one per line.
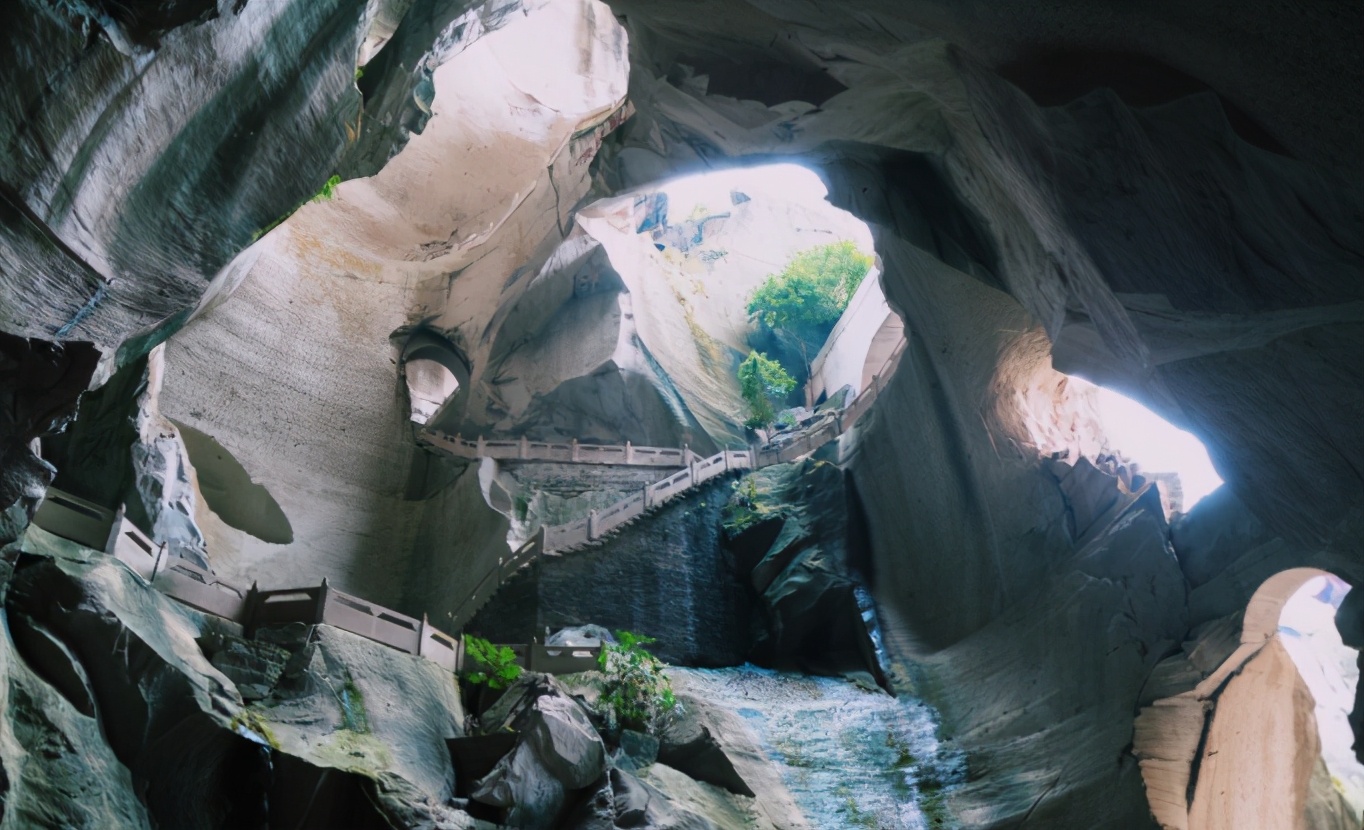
(601,524)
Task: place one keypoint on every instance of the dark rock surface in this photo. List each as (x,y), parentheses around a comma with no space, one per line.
(132,668)
(40,384)
(140,173)
(800,570)
(667,576)
(1137,184)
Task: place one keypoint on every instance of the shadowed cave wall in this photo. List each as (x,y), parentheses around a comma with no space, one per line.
(1178,219)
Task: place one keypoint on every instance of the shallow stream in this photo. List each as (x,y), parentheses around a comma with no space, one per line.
(852,758)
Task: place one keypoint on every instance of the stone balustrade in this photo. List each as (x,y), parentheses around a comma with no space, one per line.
(599,524)
(103,529)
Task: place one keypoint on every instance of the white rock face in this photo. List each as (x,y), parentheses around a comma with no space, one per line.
(295,376)
(1240,783)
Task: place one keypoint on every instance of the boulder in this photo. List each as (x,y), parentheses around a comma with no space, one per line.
(558,752)
(253,666)
(637,751)
(565,742)
(531,796)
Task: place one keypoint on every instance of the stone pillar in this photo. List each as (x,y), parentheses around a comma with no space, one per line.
(321,613)
(629,453)
(574,449)
(523,451)
(592,526)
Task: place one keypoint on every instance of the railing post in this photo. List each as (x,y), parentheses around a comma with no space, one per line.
(481,448)
(646,497)
(156,563)
(876,383)
(321,613)
(629,453)
(523,451)
(686,454)
(456,444)
(725,454)
(592,525)
(421,636)
(574,449)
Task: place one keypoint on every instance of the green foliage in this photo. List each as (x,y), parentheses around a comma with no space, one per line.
(359,72)
(325,194)
(249,724)
(353,715)
(499,662)
(763,383)
(804,301)
(328,190)
(745,507)
(638,695)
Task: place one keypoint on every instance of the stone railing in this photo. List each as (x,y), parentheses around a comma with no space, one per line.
(557,539)
(600,523)
(524,449)
(94,526)
(83,522)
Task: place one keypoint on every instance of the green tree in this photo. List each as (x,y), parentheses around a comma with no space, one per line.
(498,663)
(801,305)
(763,383)
(638,695)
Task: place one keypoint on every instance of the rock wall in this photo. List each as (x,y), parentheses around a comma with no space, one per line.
(668,577)
(308,399)
(1142,205)
(1239,784)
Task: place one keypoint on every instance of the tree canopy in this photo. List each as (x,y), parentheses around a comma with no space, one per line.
(803,303)
(763,383)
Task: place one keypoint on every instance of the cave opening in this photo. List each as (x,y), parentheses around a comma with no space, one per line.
(1277,709)
(1072,417)
(1166,454)
(1312,635)
(751,255)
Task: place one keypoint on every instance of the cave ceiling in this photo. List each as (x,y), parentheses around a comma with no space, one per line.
(242,212)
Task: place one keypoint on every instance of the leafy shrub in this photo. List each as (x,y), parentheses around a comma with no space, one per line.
(745,507)
(638,695)
(763,383)
(499,662)
(802,304)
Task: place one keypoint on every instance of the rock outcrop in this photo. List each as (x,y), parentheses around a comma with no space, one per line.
(179,742)
(1103,189)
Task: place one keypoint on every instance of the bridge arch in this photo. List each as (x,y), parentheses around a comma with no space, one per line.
(1257,741)
(435,371)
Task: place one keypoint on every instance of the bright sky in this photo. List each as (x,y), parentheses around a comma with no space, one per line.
(1157,445)
(781,182)
(785,181)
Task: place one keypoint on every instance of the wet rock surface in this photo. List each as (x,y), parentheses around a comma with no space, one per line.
(803,577)
(666,576)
